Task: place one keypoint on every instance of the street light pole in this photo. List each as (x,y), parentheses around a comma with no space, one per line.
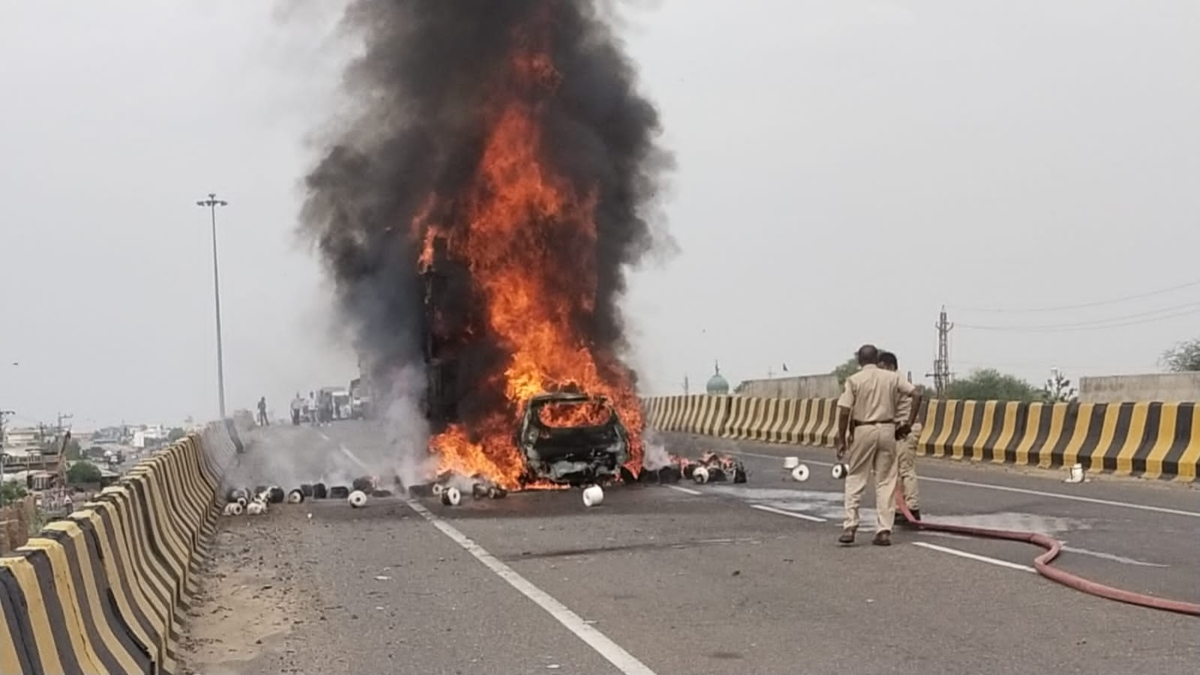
(3,414)
(212,203)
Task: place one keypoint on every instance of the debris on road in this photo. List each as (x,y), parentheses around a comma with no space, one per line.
(593,496)
(713,467)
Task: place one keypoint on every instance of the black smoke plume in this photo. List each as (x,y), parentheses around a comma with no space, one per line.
(421,89)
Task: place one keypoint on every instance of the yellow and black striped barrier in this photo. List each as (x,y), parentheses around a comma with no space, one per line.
(1151,440)
(100,590)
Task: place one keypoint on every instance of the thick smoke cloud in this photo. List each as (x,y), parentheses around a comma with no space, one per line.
(424,88)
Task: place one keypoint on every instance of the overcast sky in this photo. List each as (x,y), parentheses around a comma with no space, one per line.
(844,170)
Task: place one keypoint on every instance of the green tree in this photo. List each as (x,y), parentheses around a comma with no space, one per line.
(83,473)
(176,434)
(845,370)
(1182,358)
(11,491)
(991,385)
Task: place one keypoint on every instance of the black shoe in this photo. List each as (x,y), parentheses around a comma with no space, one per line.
(883,538)
(847,536)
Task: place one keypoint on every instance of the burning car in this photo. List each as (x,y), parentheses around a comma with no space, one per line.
(571,438)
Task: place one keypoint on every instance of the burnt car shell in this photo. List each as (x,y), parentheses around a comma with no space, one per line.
(572,455)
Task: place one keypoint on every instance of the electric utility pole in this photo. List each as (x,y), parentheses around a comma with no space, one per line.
(941,365)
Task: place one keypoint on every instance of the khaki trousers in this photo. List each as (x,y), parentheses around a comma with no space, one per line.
(906,466)
(873,451)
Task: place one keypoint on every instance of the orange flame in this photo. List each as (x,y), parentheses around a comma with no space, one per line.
(514,200)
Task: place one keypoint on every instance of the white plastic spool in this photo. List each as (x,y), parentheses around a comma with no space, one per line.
(295,497)
(357,499)
(451,497)
(800,473)
(700,475)
(593,496)
(790,463)
(1076,474)
(839,471)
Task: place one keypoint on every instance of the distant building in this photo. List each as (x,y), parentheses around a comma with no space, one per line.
(23,437)
(150,436)
(717,384)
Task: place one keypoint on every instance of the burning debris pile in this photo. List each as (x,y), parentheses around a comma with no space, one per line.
(450,487)
(478,218)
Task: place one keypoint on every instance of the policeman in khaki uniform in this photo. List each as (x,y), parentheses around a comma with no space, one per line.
(869,403)
(906,447)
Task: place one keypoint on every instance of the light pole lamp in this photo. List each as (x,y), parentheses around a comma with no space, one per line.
(211,204)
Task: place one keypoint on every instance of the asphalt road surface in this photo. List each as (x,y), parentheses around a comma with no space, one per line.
(689,579)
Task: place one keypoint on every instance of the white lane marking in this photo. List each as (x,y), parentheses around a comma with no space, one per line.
(972,556)
(322,435)
(353,458)
(1005,488)
(790,514)
(623,660)
(1110,556)
(686,491)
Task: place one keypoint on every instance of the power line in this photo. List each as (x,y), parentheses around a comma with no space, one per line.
(1113,322)
(1060,308)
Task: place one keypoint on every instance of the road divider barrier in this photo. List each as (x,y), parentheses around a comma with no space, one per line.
(1147,439)
(100,591)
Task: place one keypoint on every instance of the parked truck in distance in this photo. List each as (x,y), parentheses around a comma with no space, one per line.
(360,399)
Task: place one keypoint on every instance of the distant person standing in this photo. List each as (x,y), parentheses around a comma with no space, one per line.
(297,408)
(312,408)
(326,407)
(906,446)
(262,412)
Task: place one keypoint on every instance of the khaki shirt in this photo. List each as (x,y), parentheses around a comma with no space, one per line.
(872,393)
(903,406)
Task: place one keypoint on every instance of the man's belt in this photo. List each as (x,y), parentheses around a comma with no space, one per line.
(860,423)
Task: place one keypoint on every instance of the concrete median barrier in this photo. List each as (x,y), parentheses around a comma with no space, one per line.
(771,420)
(101,590)
(1146,439)
(1151,440)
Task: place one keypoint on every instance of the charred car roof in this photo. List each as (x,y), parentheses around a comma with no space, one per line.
(563,397)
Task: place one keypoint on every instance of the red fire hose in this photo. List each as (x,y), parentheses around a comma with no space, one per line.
(1042,564)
